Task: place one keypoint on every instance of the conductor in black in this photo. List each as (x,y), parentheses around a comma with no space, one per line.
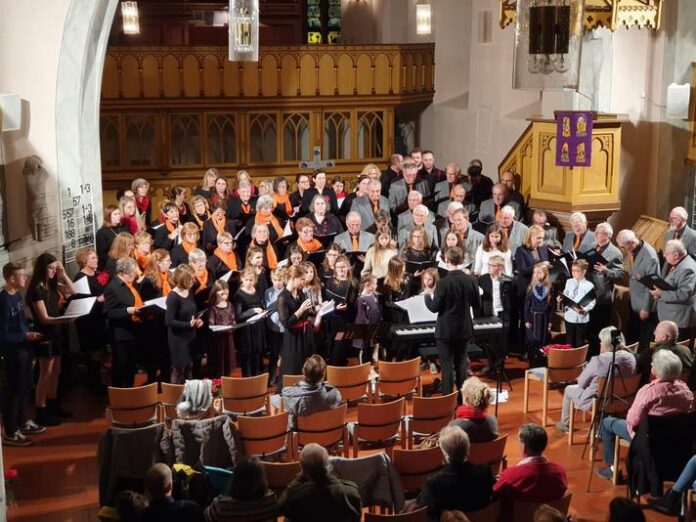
(452,300)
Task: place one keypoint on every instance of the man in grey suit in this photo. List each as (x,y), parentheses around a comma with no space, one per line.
(399,190)
(678,305)
(641,260)
(420,216)
(491,208)
(470,238)
(370,204)
(354,236)
(405,219)
(453,177)
(678,229)
(457,194)
(579,239)
(603,276)
(514,229)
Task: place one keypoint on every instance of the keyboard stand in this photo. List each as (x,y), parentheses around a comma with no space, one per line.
(498,367)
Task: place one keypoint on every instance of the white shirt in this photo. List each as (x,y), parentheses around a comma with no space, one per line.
(482,257)
(576,290)
(497,301)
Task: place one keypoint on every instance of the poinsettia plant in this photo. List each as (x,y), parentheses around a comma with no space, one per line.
(550,347)
(216,388)
(10,475)
(103,278)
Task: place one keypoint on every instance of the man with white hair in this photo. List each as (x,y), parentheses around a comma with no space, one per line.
(400,189)
(514,229)
(405,218)
(355,239)
(368,205)
(491,208)
(664,396)
(640,260)
(678,229)
(578,239)
(317,495)
(666,333)
(603,276)
(678,305)
(456,195)
(420,217)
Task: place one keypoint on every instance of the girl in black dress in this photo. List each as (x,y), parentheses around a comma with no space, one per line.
(298,338)
(254,260)
(181,321)
(250,340)
(417,251)
(209,178)
(342,289)
(538,309)
(217,224)
(396,287)
(110,228)
(221,357)
(156,284)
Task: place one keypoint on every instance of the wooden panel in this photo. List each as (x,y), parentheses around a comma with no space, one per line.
(419,76)
(397,73)
(151,86)
(269,76)
(596,178)
(110,78)
(289,78)
(346,76)
(308,77)
(170,77)
(231,78)
(192,77)
(327,81)
(250,79)
(131,77)
(211,77)
(410,72)
(381,74)
(365,82)
(552,180)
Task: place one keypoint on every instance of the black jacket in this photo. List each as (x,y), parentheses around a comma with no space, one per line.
(117,299)
(170,510)
(453,298)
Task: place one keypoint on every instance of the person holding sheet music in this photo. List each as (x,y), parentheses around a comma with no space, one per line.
(250,340)
(368,311)
(378,255)
(537,311)
(189,236)
(325,223)
(494,243)
(302,182)
(167,233)
(294,311)
(452,300)
(354,240)
(606,269)
(224,258)
(579,239)
(577,316)
(260,238)
(242,207)
(221,357)
(215,225)
(182,323)
(204,281)
(281,199)
(326,268)
(274,328)
(155,285)
(678,304)
(342,289)
(46,294)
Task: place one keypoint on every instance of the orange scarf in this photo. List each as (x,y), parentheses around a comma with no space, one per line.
(219,224)
(170,226)
(283,199)
(199,221)
(166,288)
(246,208)
(270,220)
(142,259)
(308,246)
(576,243)
(230,259)
(188,246)
(270,255)
(137,301)
(202,277)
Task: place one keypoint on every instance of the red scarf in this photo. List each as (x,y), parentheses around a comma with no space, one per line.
(142,203)
(468,412)
(230,259)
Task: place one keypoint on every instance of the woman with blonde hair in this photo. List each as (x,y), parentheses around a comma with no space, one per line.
(378,255)
(208,183)
(472,416)
(190,236)
(141,190)
(371,171)
(250,340)
(129,216)
(200,210)
(123,246)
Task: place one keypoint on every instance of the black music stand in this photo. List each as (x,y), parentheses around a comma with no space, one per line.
(498,367)
(363,332)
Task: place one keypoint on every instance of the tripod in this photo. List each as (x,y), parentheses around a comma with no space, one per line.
(606,398)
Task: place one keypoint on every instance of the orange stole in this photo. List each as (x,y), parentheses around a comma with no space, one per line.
(270,220)
(188,246)
(166,287)
(141,258)
(230,259)
(170,226)
(219,224)
(308,246)
(138,301)
(202,277)
(283,199)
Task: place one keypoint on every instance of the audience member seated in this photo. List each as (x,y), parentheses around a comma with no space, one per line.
(248,498)
(130,506)
(666,395)
(472,415)
(671,503)
(453,515)
(580,395)
(163,507)
(316,494)
(545,513)
(534,478)
(312,394)
(666,333)
(622,509)
(459,484)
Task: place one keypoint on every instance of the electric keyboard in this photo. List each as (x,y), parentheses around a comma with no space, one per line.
(425,331)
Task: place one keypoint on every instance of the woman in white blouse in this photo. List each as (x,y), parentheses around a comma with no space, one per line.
(378,255)
(495,243)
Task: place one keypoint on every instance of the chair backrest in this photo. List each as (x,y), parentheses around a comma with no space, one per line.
(633,348)
(324,427)
(279,474)
(171,393)
(132,407)
(415,465)
(291,380)
(431,414)
(491,453)
(566,365)
(491,513)
(625,389)
(264,435)
(352,381)
(380,422)
(244,395)
(419,515)
(398,378)
(524,511)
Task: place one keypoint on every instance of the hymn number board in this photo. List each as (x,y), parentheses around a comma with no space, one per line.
(77,214)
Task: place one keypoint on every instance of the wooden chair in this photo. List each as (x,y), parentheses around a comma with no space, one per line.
(352,381)
(414,466)
(289,380)
(690,503)
(491,513)
(419,515)
(133,407)
(564,366)
(625,390)
(398,379)
(264,436)
(171,393)
(430,415)
(245,395)
(618,444)
(327,428)
(524,511)
(379,423)
(490,453)
(280,474)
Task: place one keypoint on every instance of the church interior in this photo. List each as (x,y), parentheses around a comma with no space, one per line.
(588,105)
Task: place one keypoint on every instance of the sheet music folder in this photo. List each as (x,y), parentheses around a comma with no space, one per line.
(655,281)
(416,310)
(584,300)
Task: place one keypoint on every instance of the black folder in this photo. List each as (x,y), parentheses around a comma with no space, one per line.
(414,266)
(584,300)
(655,281)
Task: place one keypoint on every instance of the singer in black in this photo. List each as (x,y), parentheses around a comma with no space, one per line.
(452,300)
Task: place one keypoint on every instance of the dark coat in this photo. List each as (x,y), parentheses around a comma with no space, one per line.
(117,299)
(454,296)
